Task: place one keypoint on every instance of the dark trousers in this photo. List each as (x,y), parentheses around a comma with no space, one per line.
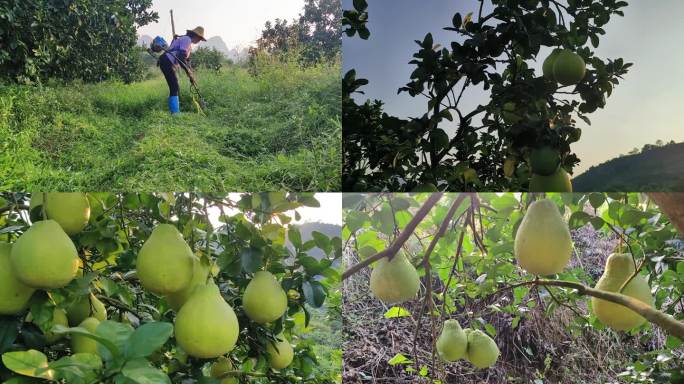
(170,75)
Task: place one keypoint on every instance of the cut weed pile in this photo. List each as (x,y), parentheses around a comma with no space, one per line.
(279,130)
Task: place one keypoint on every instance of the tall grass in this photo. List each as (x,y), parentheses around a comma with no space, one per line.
(277,130)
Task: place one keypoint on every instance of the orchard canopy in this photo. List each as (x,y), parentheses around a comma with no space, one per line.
(186,287)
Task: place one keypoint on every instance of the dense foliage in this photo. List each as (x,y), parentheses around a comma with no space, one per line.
(546,332)
(239,235)
(315,35)
(92,40)
(204,57)
(489,149)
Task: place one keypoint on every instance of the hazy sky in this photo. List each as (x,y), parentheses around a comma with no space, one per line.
(239,23)
(645,107)
(330,211)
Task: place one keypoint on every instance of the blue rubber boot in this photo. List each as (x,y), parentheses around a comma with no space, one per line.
(174,105)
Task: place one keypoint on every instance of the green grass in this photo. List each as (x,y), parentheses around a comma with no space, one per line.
(278,130)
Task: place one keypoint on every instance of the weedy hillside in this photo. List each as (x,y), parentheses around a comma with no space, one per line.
(278,129)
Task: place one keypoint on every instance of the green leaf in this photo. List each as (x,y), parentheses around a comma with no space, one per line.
(107,347)
(147,339)
(314,293)
(672,342)
(397,312)
(295,237)
(579,219)
(8,332)
(399,359)
(597,199)
(140,371)
(251,259)
(30,363)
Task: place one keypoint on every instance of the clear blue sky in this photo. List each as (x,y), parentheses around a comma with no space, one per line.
(238,23)
(647,105)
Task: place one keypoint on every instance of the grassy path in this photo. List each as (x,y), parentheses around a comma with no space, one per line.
(280,130)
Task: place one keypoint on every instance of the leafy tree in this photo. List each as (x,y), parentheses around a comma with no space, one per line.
(207,58)
(254,232)
(489,150)
(92,40)
(463,248)
(315,35)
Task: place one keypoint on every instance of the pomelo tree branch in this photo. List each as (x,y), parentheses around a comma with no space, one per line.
(401,239)
(659,318)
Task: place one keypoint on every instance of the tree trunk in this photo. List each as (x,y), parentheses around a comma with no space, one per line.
(672,205)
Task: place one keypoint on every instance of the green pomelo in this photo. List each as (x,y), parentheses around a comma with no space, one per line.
(510,113)
(264,299)
(394,281)
(70,209)
(549,64)
(44,256)
(482,350)
(557,182)
(619,268)
(14,295)
(543,245)
(206,326)
(544,161)
(84,344)
(222,366)
(165,261)
(569,68)
(282,356)
(200,274)
(86,306)
(452,343)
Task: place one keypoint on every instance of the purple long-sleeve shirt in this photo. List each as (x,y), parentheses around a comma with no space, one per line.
(181,47)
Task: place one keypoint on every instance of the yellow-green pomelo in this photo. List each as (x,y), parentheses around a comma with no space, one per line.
(569,68)
(510,113)
(200,274)
(83,344)
(220,368)
(543,245)
(559,181)
(282,357)
(264,299)
(394,281)
(619,268)
(86,306)
(544,161)
(482,350)
(165,261)
(452,343)
(14,295)
(70,209)
(59,317)
(44,256)
(549,63)
(206,326)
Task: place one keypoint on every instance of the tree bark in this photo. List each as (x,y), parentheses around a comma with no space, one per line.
(672,205)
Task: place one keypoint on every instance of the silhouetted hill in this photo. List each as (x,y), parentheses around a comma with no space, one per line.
(657,169)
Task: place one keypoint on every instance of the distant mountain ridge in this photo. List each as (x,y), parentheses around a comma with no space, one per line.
(657,169)
(235,54)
